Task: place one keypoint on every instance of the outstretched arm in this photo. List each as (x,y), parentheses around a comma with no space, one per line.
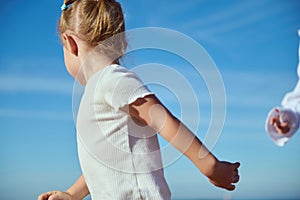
(289,114)
(151,112)
(77,191)
(283,122)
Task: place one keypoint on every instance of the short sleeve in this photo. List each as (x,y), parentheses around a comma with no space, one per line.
(292,99)
(123,87)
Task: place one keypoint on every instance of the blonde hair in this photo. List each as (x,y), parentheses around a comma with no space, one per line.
(98,23)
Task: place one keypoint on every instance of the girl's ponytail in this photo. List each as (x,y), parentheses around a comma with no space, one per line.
(96,22)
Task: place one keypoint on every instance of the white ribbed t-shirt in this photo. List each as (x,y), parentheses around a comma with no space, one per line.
(120,159)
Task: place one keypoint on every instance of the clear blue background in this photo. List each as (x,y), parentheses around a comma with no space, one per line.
(253,43)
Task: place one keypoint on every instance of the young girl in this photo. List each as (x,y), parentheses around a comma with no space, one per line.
(119,117)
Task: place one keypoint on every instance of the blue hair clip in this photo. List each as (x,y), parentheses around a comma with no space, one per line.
(65,7)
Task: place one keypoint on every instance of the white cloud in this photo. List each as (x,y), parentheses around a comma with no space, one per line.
(223,16)
(22,83)
(30,114)
(257,90)
(237,16)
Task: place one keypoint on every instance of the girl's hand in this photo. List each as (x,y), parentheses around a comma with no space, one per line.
(225,174)
(280,127)
(55,195)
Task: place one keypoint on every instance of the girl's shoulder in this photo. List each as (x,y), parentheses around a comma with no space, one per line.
(109,72)
(112,76)
(115,73)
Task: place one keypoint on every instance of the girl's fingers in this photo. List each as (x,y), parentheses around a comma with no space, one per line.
(272,121)
(44,196)
(236,165)
(275,120)
(277,128)
(284,125)
(235,172)
(236,176)
(281,127)
(230,187)
(53,195)
(56,197)
(236,179)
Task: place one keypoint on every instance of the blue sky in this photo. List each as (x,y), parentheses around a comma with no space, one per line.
(253,43)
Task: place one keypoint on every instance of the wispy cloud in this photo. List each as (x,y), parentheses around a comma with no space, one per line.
(177,7)
(23,83)
(31,114)
(212,19)
(238,16)
(257,90)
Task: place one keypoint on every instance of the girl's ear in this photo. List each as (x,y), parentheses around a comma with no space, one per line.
(70,44)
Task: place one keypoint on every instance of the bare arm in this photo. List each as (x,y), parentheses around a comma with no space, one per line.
(150,111)
(77,191)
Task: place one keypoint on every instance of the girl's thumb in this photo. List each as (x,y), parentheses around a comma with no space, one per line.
(54,197)
(237,165)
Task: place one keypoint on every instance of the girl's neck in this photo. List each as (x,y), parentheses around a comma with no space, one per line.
(93,63)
